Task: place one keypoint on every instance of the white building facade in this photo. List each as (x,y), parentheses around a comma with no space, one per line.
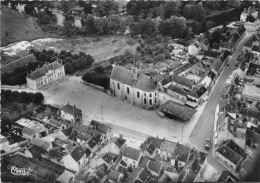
(48,73)
(134,87)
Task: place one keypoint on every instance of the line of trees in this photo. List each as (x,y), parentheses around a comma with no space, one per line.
(95,78)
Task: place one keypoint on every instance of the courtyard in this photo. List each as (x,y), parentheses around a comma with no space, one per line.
(192,76)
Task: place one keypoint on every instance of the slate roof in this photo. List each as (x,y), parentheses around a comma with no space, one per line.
(216,65)
(154,166)
(198,93)
(55,122)
(67,131)
(131,153)
(143,162)
(189,172)
(181,152)
(151,149)
(249,44)
(77,153)
(211,74)
(225,177)
(88,152)
(93,142)
(177,79)
(156,141)
(73,134)
(18,63)
(256,48)
(84,136)
(100,173)
(249,112)
(27,131)
(124,76)
(168,146)
(35,151)
(44,69)
(65,177)
(73,110)
(211,53)
(181,68)
(178,110)
(119,142)
(199,66)
(178,90)
(248,164)
(113,175)
(231,154)
(99,126)
(107,158)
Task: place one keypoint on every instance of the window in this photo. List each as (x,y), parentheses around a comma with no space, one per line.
(154,100)
(150,95)
(138,94)
(155,93)
(151,102)
(145,101)
(145,94)
(118,86)
(127,90)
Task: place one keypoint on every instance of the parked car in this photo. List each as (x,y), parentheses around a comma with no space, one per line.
(207,144)
(161,114)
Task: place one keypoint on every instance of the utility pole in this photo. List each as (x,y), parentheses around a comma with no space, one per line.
(101,113)
(182,133)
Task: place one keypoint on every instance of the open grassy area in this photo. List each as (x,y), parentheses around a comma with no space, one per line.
(18,27)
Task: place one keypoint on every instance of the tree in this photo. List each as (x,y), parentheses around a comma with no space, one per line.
(15,95)
(42,57)
(159,57)
(29,9)
(75,56)
(135,28)
(23,96)
(69,68)
(196,28)
(90,59)
(50,52)
(76,64)
(43,18)
(67,60)
(30,97)
(65,6)
(101,25)
(12,80)
(99,69)
(147,26)
(170,8)
(105,8)
(177,26)
(89,25)
(38,97)
(68,28)
(82,54)
(5,123)
(113,24)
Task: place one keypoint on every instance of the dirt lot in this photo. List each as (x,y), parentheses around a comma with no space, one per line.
(18,27)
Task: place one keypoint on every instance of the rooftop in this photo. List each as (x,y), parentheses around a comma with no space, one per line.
(181,153)
(177,110)
(198,92)
(168,146)
(71,109)
(177,79)
(131,153)
(77,153)
(124,75)
(119,142)
(156,141)
(114,175)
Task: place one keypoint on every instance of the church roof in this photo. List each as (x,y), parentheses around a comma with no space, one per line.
(124,76)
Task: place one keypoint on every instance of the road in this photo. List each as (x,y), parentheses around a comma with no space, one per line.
(205,125)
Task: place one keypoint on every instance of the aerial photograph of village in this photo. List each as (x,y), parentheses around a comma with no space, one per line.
(130,91)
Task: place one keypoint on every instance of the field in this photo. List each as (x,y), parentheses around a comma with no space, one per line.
(17,27)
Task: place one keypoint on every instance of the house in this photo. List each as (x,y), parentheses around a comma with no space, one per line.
(33,152)
(210,53)
(247,167)
(17,63)
(193,60)
(157,144)
(198,69)
(48,73)
(194,49)
(131,156)
(134,87)
(75,160)
(102,128)
(189,172)
(215,47)
(227,129)
(114,176)
(150,151)
(4,142)
(206,81)
(199,95)
(57,124)
(182,70)
(172,173)
(247,12)
(177,92)
(176,80)
(217,66)
(93,143)
(64,134)
(118,145)
(248,46)
(226,46)
(227,176)
(153,167)
(36,131)
(180,156)
(71,113)
(175,110)
(137,175)
(101,174)
(83,138)
(65,177)
(167,150)
(109,159)
(256,51)
(231,155)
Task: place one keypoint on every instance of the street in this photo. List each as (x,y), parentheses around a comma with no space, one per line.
(205,125)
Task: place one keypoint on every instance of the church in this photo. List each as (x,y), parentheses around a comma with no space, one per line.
(134,87)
